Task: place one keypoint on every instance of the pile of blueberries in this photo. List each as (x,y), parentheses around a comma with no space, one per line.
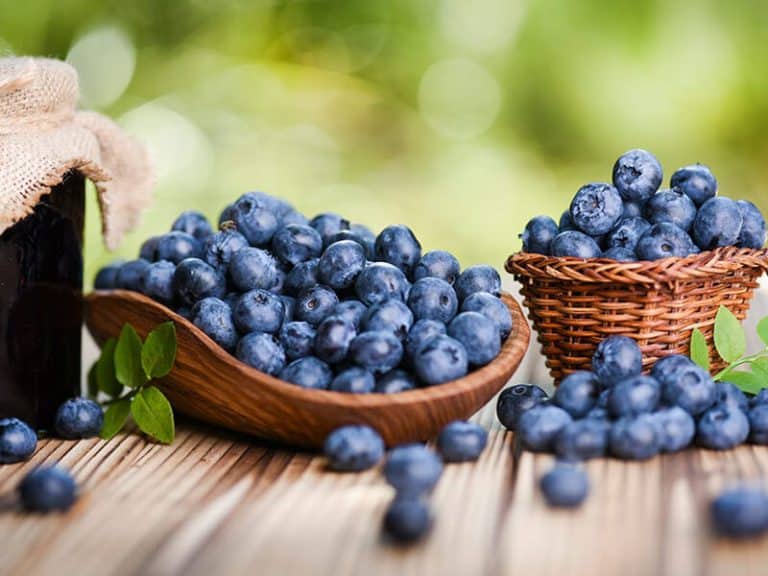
(634,220)
(616,410)
(49,488)
(322,303)
(411,469)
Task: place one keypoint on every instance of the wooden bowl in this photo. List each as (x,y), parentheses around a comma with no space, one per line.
(209,384)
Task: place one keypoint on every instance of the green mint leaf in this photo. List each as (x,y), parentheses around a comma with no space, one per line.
(699,349)
(105,370)
(115,417)
(730,341)
(153,414)
(762,330)
(93,384)
(128,358)
(747,381)
(159,351)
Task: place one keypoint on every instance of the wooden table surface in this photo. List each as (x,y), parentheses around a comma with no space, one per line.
(219,503)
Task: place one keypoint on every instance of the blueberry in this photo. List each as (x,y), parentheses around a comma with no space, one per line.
(666,369)
(665,240)
(492,308)
(78,418)
(696,181)
(378,352)
(675,428)
(637,174)
(437,264)
(620,254)
(353,448)
(440,360)
(539,426)
(289,304)
(106,277)
(691,388)
(564,486)
(297,339)
(397,245)
(413,469)
(277,206)
(758,424)
(354,380)
(634,438)
(582,439)
(157,281)
(258,311)
(195,280)
(420,333)
(341,264)
(632,210)
(575,244)
(461,441)
(328,225)
(407,520)
(602,399)
(671,206)
(577,393)
(334,335)
(599,413)
(740,512)
(433,299)
(718,223)
(214,317)
(617,358)
(367,236)
(227,215)
(380,281)
(633,396)
(479,278)
(219,248)
(759,398)
(627,233)
(596,208)
(316,304)
(47,488)
(352,310)
(302,277)
(129,275)
(294,243)
(727,393)
(193,223)
(252,268)
(293,216)
(566,222)
(516,400)
(352,237)
(308,372)
(261,351)
(148,250)
(394,381)
(254,218)
(538,234)
(389,316)
(17,440)
(752,234)
(178,246)
(721,428)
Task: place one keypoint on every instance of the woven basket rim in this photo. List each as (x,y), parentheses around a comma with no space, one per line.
(718,262)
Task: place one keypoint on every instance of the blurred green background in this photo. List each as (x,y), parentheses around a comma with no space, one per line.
(460,118)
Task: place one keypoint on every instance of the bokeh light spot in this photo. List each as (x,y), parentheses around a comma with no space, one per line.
(481,25)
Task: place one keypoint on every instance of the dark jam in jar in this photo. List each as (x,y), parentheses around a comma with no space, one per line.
(41,280)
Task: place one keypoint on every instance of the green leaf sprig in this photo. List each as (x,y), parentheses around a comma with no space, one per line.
(124,373)
(748,372)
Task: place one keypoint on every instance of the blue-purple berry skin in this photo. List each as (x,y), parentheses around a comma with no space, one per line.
(433,299)
(637,175)
(729,394)
(381,281)
(633,396)
(758,424)
(332,339)
(297,339)
(219,248)
(258,311)
(441,359)
(302,277)
(261,351)
(437,264)
(696,181)
(753,232)
(722,428)
(565,486)
(394,381)
(492,308)
(627,233)
(157,282)
(596,208)
(353,448)
(478,278)
(740,512)
(617,358)
(354,380)
(316,304)
(194,223)
(47,489)
(407,520)
(515,400)
(106,277)
(328,225)
(130,274)
(413,469)
(673,207)
(194,280)
(583,439)
(379,351)
(634,438)
(620,254)
(575,244)
(676,428)
(214,317)
(420,333)
(538,234)
(255,219)
(538,427)
(388,316)
(252,268)
(295,243)
(718,223)
(308,372)
(341,264)
(78,418)
(665,240)
(577,393)
(461,441)
(690,387)
(17,440)
(398,245)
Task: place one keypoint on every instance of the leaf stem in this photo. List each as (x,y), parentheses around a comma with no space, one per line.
(740,362)
(128,396)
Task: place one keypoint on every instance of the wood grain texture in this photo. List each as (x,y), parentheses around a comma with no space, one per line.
(211,385)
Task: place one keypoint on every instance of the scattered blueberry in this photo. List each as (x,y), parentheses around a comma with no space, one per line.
(675,428)
(295,243)
(461,441)
(582,439)
(637,175)
(315,304)
(617,358)
(381,281)
(433,299)
(671,206)
(308,372)
(214,317)
(78,418)
(718,223)
(413,469)
(397,245)
(17,440)
(565,486)
(178,246)
(194,280)
(634,438)
(297,339)
(740,512)
(193,223)
(46,489)
(258,311)
(478,278)
(437,264)
(722,427)
(354,380)
(439,360)
(341,264)
(575,244)
(696,181)
(332,339)
(389,316)
(219,248)
(261,351)
(596,208)
(539,426)
(394,381)
(492,308)
(407,520)
(577,393)
(353,448)
(538,234)
(379,351)
(516,400)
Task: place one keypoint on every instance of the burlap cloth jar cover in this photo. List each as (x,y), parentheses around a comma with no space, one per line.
(43,136)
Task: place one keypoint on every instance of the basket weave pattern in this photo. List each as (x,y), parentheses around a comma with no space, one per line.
(574,304)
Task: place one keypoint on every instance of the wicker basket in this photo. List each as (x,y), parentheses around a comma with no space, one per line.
(575,303)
